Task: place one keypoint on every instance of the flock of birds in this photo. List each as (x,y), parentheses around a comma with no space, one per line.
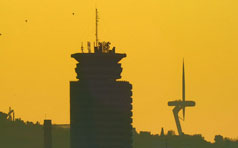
(27,22)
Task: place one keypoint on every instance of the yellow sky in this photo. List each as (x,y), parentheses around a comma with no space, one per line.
(36,67)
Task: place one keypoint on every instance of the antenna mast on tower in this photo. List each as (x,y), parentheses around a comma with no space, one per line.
(97,20)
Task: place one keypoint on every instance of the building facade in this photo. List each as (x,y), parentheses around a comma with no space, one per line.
(100,104)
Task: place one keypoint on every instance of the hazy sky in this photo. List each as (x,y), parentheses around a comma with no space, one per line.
(36,66)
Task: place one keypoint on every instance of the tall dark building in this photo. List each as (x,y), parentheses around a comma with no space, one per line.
(100,105)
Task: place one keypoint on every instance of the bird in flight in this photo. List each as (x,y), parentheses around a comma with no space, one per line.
(73,13)
(26,21)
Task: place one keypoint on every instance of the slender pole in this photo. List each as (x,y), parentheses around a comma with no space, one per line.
(183,93)
(96,27)
(183,83)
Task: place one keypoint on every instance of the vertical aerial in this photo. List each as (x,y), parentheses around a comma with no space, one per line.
(96,27)
(183,89)
(100,104)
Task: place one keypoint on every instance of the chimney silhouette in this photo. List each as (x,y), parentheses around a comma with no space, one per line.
(47,134)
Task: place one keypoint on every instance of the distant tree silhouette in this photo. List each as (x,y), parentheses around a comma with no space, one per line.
(20,134)
(171,133)
(218,139)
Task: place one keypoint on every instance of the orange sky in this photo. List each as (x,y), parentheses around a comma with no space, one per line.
(156,34)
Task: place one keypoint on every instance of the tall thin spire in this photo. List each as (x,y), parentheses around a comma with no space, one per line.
(181,104)
(183,91)
(97,20)
(183,82)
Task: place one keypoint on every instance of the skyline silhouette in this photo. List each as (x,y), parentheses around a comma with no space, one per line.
(156,35)
(23,134)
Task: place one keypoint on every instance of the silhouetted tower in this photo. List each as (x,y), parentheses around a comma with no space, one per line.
(47,134)
(180,105)
(100,104)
